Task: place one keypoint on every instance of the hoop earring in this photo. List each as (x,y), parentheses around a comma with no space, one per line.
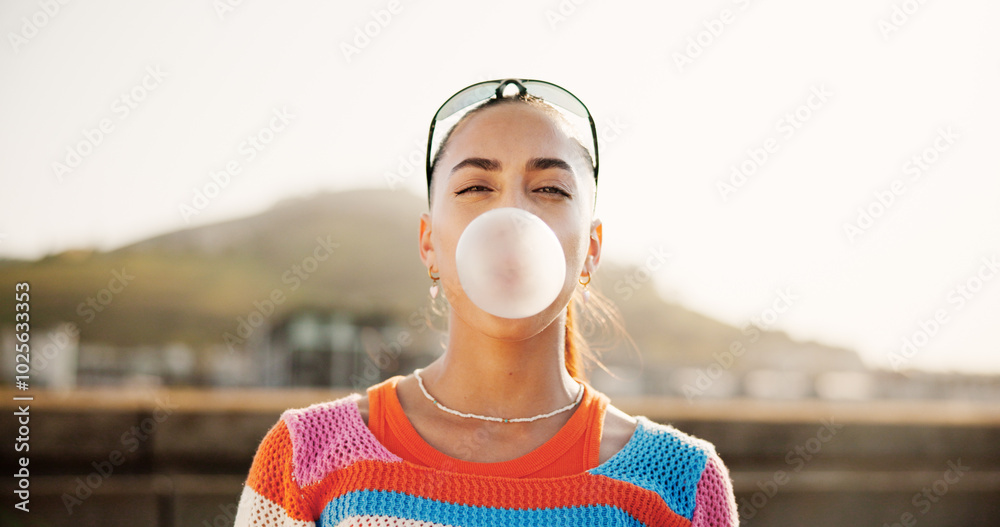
(434,283)
(586,289)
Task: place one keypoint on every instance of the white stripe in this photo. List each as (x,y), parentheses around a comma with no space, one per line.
(257,511)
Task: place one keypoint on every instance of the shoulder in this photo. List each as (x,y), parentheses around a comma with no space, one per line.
(617,430)
(327,436)
(339,413)
(684,470)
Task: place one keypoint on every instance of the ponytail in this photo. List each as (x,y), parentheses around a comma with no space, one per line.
(597,318)
(574,343)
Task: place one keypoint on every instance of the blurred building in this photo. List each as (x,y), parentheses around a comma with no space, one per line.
(53,356)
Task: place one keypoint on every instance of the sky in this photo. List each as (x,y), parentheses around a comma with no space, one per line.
(825,169)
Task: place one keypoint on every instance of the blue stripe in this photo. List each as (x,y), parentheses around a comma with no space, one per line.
(397,505)
(661,459)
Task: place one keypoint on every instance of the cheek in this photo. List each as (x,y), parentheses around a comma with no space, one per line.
(576,253)
(577,242)
(575,246)
(445,238)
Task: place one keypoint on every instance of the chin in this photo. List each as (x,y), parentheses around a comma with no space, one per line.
(511,329)
(514,329)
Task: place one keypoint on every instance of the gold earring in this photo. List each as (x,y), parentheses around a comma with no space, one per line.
(434,283)
(586,290)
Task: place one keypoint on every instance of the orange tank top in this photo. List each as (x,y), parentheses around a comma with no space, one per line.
(574,449)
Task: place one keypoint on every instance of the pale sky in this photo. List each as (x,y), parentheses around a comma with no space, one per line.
(823,105)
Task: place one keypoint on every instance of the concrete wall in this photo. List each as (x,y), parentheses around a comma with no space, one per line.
(179,458)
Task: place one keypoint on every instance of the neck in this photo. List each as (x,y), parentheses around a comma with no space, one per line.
(487,376)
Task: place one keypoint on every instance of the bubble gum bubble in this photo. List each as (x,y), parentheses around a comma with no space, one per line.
(510,263)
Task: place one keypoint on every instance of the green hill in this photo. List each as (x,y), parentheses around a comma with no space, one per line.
(191,285)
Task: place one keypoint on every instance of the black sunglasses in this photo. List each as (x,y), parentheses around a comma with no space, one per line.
(480,93)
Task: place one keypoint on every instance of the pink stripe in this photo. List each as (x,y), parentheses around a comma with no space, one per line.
(330,436)
(714,504)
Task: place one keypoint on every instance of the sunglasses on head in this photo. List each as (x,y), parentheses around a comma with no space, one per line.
(480,93)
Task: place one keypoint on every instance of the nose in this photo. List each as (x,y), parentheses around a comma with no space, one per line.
(516,195)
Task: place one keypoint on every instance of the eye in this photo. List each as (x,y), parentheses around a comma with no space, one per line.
(554,190)
(473,188)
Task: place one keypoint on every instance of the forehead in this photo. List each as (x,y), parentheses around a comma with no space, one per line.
(512,128)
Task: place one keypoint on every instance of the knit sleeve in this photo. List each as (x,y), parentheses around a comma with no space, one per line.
(271,497)
(715,503)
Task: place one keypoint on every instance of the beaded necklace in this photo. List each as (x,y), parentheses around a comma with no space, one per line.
(420,381)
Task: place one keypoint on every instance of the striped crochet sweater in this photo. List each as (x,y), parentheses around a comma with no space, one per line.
(322,466)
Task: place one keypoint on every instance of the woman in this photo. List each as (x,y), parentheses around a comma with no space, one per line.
(503,427)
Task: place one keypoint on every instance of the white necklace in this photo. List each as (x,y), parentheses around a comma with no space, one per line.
(579,395)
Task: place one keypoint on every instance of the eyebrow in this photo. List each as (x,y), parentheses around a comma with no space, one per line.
(492,165)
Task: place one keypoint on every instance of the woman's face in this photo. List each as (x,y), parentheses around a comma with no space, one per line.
(511,155)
